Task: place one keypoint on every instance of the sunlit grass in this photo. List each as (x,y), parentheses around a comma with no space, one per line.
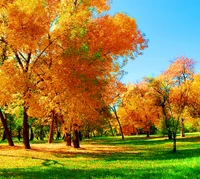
(104,157)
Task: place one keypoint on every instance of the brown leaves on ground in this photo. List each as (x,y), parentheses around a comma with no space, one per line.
(61,148)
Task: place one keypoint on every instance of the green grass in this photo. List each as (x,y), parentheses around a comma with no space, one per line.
(104,157)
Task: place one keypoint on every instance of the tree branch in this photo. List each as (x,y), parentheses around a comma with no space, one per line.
(28,61)
(42,52)
(19,61)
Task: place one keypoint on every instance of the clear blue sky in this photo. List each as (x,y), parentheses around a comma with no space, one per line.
(173,30)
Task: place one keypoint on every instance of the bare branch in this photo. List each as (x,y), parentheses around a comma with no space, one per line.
(22,56)
(42,52)
(19,61)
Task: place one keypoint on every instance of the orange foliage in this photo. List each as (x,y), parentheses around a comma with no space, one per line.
(59,57)
(139,108)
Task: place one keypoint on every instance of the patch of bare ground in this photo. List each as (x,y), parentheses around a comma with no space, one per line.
(61,148)
(84,149)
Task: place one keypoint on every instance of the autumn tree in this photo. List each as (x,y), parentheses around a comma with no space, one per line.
(171,91)
(193,100)
(139,108)
(160,92)
(181,71)
(62,46)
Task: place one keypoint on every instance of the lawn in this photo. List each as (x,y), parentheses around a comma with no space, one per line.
(105,158)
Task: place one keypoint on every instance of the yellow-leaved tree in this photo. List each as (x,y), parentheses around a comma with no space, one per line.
(62,56)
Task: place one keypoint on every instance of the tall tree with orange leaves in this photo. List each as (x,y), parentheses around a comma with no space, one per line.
(171,92)
(180,73)
(59,44)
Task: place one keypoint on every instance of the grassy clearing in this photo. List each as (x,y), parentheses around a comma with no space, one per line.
(109,157)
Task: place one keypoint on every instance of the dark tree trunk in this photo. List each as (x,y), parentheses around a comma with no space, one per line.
(169,134)
(26,130)
(182,128)
(68,139)
(80,135)
(51,127)
(110,127)
(148,133)
(167,122)
(117,118)
(32,135)
(76,137)
(7,132)
(174,143)
(41,133)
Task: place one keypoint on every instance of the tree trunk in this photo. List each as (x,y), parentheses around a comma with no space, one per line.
(41,133)
(117,118)
(169,134)
(76,137)
(174,143)
(182,128)
(26,130)
(79,133)
(148,133)
(7,132)
(110,127)
(32,135)
(68,139)
(51,128)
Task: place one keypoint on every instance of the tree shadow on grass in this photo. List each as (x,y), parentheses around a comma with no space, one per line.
(125,156)
(189,139)
(142,141)
(131,142)
(100,173)
(161,155)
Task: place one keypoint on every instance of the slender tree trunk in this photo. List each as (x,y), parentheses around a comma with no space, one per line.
(110,127)
(41,133)
(166,120)
(117,118)
(169,134)
(174,142)
(76,137)
(51,127)
(168,129)
(26,130)
(148,133)
(7,132)
(32,135)
(182,128)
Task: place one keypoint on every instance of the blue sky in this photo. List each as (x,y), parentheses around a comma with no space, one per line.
(173,30)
